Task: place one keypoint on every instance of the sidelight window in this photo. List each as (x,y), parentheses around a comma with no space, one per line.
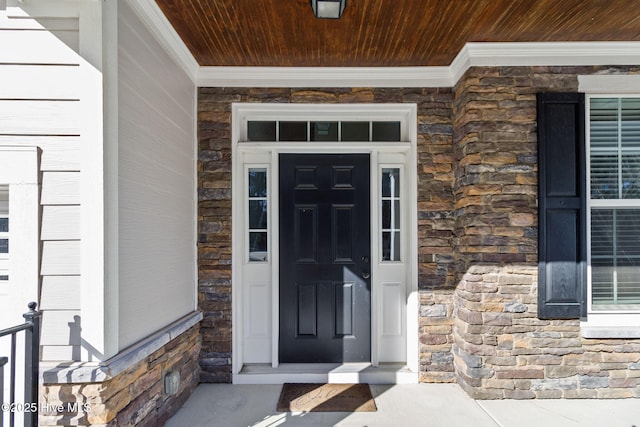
(390,214)
(257,201)
(614,202)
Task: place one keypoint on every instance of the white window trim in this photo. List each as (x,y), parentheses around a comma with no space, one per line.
(4,213)
(623,323)
(19,170)
(255,153)
(400,197)
(247,168)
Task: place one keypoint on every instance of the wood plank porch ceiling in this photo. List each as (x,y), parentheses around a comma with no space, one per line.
(385,33)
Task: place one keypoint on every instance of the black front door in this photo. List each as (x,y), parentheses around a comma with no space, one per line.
(325,298)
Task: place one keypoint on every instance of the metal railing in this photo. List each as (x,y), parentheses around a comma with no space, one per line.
(29,407)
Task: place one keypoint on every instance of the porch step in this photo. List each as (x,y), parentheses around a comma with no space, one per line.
(385,373)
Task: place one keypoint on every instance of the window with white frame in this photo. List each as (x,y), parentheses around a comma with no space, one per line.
(257,201)
(4,233)
(614,202)
(390,207)
(318,131)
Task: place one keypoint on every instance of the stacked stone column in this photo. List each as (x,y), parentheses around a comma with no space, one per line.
(501,349)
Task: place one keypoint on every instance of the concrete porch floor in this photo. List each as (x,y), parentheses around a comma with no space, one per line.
(412,405)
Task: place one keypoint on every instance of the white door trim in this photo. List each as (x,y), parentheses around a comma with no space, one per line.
(260,154)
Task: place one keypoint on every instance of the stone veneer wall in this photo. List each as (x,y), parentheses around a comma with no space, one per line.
(502,350)
(477,219)
(134,397)
(436,220)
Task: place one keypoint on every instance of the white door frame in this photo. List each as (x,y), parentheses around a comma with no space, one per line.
(262,278)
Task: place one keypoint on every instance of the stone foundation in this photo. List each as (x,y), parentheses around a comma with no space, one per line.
(436,337)
(502,350)
(133,397)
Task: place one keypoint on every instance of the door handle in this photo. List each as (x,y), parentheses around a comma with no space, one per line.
(365,275)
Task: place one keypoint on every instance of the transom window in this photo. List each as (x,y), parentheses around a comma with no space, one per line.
(614,202)
(336,131)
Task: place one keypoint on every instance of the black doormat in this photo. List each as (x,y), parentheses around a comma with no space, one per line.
(326,398)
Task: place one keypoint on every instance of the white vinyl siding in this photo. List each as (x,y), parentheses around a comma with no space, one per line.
(156,197)
(60,293)
(60,188)
(40,107)
(38,82)
(41,117)
(59,153)
(60,223)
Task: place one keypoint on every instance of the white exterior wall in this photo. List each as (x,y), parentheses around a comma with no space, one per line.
(156,184)
(39,107)
(113,118)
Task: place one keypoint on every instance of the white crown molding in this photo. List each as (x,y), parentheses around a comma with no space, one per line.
(553,53)
(544,54)
(473,54)
(324,76)
(153,17)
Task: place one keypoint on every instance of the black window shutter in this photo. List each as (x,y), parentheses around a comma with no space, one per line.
(562,250)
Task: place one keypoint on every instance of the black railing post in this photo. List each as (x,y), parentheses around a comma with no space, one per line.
(32,364)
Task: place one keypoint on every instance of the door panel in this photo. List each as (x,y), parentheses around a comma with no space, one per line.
(341,233)
(344,309)
(306,224)
(325,302)
(307,310)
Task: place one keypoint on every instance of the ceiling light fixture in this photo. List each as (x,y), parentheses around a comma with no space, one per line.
(331,9)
